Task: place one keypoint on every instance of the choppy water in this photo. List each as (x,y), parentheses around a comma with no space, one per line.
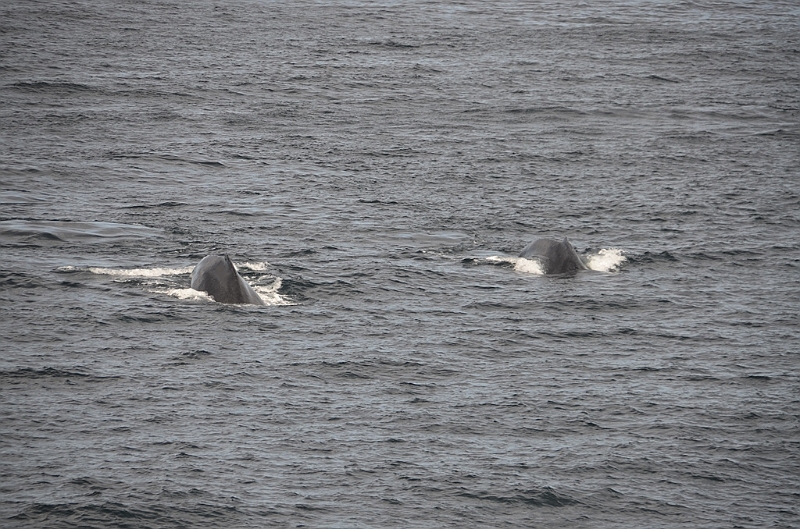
(373,169)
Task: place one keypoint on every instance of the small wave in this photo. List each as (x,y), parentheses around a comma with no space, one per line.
(540,498)
(8,198)
(662,78)
(51,86)
(526,266)
(198,161)
(27,372)
(74,231)
(606,260)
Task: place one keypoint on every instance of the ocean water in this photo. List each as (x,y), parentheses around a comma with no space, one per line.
(374,169)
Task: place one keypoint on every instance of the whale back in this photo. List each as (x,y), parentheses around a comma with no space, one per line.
(555,256)
(218,277)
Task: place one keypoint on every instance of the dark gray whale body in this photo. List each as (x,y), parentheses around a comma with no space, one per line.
(555,256)
(218,277)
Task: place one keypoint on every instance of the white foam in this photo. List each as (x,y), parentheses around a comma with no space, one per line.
(185,293)
(269,293)
(606,259)
(526,266)
(137,272)
(157,272)
(255,267)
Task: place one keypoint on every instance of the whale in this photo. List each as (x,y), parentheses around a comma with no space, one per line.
(217,276)
(554,256)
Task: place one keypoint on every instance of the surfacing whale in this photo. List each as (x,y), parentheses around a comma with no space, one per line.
(555,256)
(218,277)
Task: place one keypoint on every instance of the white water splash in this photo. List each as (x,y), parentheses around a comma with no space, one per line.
(606,260)
(255,267)
(269,293)
(185,294)
(526,266)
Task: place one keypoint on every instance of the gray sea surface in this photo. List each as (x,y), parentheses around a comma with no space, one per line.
(374,169)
